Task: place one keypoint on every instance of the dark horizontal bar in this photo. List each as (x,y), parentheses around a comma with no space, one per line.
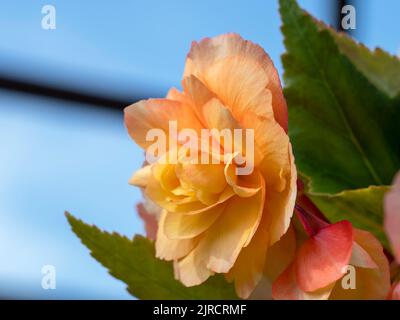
(340,4)
(63,94)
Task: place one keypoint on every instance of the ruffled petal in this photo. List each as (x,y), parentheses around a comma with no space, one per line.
(370,283)
(243,185)
(392,216)
(276,153)
(323,259)
(220,246)
(168,249)
(145,115)
(141,177)
(187,226)
(280,205)
(287,288)
(209,177)
(198,94)
(237,71)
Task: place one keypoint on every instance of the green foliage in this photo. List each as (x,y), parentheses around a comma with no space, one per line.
(344,116)
(380,68)
(134,262)
(363,207)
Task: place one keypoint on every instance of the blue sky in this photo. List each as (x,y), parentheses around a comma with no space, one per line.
(141,45)
(60,156)
(129,45)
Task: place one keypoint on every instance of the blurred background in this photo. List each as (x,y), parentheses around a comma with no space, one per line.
(63,145)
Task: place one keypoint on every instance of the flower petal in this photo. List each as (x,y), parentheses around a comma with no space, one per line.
(168,249)
(273,143)
(248,268)
(236,228)
(198,94)
(243,185)
(187,226)
(280,255)
(208,177)
(371,283)
(220,246)
(279,206)
(392,216)
(323,259)
(286,288)
(141,177)
(150,221)
(237,70)
(150,114)
(219,117)
(361,258)
(170,201)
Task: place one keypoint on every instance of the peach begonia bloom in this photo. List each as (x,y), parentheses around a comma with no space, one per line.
(324,261)
(392,216)
(214,220)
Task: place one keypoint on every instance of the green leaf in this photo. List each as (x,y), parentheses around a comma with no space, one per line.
(344,115)
(134,262)
(343,128)
(381,68)
(363,207)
